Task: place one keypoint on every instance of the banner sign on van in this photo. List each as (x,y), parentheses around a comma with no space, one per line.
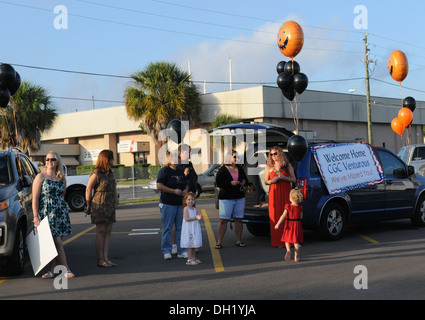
(347,166)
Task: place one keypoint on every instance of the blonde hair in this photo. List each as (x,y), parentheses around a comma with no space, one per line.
(59,165)
(296,195)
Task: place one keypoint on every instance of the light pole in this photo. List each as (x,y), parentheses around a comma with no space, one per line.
(369,117)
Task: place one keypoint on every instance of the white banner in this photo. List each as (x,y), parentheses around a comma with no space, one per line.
(347,166)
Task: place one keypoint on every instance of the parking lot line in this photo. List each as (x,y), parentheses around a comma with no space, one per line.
(218,264)
(78,235)
(368,239)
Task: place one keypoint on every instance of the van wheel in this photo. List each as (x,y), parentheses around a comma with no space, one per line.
(418,218)
(332,224)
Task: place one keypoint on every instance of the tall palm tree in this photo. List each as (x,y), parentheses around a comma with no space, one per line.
(159,94)
(30,112)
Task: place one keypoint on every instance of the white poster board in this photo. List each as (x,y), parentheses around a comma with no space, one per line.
(41,247)
(347,166)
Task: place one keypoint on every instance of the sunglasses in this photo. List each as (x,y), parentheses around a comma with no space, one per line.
(51,159)
(273,154)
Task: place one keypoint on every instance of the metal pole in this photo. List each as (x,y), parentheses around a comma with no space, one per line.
(369,117)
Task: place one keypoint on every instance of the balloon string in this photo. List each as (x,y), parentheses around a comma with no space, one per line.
(295,113)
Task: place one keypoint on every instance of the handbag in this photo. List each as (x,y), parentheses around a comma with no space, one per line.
(40,245)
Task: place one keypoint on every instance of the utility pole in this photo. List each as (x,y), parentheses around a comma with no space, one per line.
(366,63)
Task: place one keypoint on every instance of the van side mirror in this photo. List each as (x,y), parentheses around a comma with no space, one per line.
(410,170)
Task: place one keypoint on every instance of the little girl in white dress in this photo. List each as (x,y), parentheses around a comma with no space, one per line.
(191,235)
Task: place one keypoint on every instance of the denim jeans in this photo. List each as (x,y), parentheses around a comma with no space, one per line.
(170,216)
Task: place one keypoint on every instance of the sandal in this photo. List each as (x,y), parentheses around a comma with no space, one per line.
(103,263)
(240,244)
(112,264)
(192,262)
(48,275)
(218,246)
(69,274)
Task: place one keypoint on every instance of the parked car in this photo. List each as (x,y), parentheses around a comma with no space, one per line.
(414,155)
(205,181)
(401,194)
(17,174)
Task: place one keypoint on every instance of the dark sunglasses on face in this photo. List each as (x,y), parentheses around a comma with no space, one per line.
(51,159)
(273,154)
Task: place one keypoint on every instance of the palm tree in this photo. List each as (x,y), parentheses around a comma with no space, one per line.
(159,94)
(30,112)
(223,119)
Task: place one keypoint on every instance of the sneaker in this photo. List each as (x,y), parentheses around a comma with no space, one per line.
(167,256)
(174,250)
(182,255)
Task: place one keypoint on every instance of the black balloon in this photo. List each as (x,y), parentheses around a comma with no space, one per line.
(289,94)
(179,128)
(297,147)
(291,68)
(410,103)
(4,96)
(14,86)
(284,82)
(7,75)
(280,67)
(300,82)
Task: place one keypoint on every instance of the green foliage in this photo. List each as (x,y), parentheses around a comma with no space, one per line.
(159,94)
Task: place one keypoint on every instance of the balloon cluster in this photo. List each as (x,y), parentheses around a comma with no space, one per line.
(405,116)
(290,80)
(398,67)
(10,81)
(290,40)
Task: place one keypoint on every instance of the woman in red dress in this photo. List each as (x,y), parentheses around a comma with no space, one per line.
(293,230)
(279,174)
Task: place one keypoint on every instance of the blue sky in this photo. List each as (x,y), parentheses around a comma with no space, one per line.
(121,37)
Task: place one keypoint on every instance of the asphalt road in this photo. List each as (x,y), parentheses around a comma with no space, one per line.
(381,261)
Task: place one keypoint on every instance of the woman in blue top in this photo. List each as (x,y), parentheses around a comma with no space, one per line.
(171,181)
(48,202)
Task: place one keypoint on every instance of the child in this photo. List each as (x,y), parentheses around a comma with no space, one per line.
(191,236)
(293,230)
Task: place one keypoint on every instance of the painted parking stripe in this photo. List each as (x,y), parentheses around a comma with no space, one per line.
(218,264)
(368,239)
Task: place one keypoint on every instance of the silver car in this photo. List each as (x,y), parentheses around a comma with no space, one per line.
(414,155)
(205,181)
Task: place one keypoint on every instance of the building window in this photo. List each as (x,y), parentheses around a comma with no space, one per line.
(140,157)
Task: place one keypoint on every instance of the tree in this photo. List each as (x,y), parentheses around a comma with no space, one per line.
(30,112)
(223,119)
(159,94)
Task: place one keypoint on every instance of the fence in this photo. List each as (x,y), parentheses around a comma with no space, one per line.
(133,182)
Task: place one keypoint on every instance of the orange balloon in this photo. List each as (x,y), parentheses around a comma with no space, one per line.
(405,115)
(398,65)
(290,39)
(397,126)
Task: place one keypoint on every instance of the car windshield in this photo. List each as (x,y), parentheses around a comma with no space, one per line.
(403,154)
(5,174)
